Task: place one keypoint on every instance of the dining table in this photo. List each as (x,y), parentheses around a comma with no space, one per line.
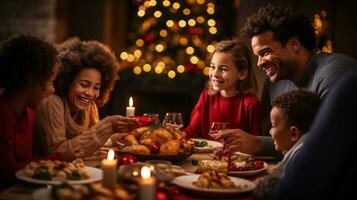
(22,190)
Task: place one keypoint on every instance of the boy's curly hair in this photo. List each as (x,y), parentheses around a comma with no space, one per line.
(25,59)
(299,108)
(75,55)
(284,23)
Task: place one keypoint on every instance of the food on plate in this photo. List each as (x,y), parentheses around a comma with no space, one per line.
(200,143)
(224,162)
(177,170)
(56,170)
(170,148)
(157,139)
(216,165)
(140,131)
(216,180)
(131,139)
(91,191)
(137,148)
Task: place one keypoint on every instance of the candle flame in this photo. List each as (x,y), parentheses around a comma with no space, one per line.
(110,154)
(145,172)
(131,102)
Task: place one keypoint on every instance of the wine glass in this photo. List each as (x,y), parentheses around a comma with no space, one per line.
(173,119)
(217,128)
(154,117)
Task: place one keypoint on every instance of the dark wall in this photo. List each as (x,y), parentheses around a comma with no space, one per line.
(35,17)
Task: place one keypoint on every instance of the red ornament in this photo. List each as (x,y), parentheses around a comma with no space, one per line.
(154,148)
(126,159)
(161,196)
(149,37)
(189,67)
(195,31)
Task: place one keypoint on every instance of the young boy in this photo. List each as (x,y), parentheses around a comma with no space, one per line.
(27,70)
(291,116)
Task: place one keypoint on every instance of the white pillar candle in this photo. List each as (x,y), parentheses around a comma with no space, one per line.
(109,167)
(147,185)
(130,110)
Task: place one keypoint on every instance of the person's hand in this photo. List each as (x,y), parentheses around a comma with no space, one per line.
(90,142)
(73,154)
(238,140)
(114,139)
(123,124)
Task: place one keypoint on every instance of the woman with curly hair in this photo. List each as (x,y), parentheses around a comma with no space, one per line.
(68,120)
(229,96)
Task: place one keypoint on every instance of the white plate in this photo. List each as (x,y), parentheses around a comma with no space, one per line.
(211,145)
(186,183)
(42,194)
(95,175)
(248,173)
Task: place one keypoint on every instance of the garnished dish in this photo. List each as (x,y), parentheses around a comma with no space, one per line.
(215,180)
(55,172)
(233,164)
(205,146)
(214,184)
(156,140)
(82,192)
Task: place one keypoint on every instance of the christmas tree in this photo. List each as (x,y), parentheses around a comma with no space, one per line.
(171,38)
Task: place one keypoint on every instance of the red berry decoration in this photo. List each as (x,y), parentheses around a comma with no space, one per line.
(126,159)
(232,166)
(161,196)
(154,148)
(258,164)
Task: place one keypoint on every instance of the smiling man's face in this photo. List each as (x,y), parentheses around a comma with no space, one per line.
(275,59)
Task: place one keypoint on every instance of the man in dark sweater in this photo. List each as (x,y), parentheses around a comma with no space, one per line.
(284,43)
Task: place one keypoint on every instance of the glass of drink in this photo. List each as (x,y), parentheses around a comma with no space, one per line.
(173,119)
(154,117)
(217,128)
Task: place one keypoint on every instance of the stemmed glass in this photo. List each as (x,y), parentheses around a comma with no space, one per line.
(217,128)
(154,117)
(173,119)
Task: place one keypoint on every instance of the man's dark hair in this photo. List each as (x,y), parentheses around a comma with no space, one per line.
(284,23)
(299,108)
(25,59)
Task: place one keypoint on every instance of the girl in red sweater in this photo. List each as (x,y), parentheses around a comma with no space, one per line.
(229,96)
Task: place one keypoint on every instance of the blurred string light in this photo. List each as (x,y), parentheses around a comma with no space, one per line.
(173,37)
(321,30)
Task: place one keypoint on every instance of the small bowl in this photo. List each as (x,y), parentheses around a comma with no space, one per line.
(144,121)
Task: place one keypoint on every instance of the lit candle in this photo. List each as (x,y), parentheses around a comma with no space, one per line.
(130,110)
(109,167)
(147,185)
